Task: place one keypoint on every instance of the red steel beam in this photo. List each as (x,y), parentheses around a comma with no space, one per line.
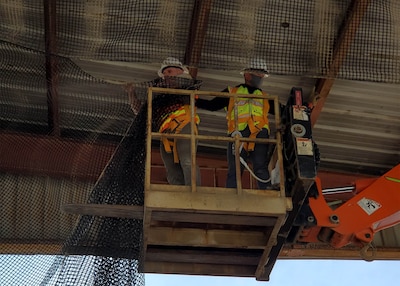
(346,36)
(198,30)
(55,157)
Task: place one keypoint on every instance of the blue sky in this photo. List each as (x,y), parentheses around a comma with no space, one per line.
(286,272)
(299,273)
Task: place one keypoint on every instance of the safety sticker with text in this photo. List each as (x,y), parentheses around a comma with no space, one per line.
(368,205)
(304,146)
(299,113)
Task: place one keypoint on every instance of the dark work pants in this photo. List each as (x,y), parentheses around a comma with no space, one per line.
(180,173)
(259,159)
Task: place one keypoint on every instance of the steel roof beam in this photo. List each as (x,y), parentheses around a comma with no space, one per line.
(349,28)
(52,75)
(64,158)
(198,30)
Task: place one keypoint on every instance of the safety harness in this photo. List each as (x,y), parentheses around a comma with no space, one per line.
(174,124)
(256,118)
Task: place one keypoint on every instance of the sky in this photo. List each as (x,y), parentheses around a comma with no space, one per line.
(285,272)
(299,273)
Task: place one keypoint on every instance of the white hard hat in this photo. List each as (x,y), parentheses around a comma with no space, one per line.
(258,66)
(171,62)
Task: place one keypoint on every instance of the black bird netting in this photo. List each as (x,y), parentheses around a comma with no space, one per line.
(99,250)
(58,143)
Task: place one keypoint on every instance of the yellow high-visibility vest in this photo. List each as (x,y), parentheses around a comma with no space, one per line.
(252,112)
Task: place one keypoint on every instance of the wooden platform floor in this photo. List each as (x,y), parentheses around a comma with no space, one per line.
(213,231)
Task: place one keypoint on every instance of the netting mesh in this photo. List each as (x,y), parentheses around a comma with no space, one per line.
(97,250)
(293,37)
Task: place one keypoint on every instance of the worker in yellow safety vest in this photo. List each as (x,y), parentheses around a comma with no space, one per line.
(171,114)
(252,122)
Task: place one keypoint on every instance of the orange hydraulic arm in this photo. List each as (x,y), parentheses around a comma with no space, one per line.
(373,208)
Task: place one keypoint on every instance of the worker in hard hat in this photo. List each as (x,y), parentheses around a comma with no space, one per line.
(252,123)
(171,114)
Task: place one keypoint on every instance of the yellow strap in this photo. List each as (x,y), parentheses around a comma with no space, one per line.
(167,145)
(176,126)
(250,145)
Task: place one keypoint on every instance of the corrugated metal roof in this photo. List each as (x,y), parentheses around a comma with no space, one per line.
(359,126)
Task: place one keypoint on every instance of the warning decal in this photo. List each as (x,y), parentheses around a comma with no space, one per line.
(304,146)
(369,206)
(299,113)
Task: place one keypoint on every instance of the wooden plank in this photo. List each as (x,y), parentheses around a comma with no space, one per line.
(199,269)
(145,233)
(267,261)
(213,190)
(35,247)
(204,256)
(218,203)
(122,211)
(213,218)
(260,271)
(206,238)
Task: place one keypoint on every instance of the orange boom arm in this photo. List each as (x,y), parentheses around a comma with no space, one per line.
(372,209)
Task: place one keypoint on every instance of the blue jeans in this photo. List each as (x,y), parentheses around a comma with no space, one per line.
(180,173)
(259,159)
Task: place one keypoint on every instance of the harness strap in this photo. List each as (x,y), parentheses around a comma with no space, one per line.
(230,110)
(175,126)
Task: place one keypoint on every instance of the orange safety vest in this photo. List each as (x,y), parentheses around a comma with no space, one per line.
(252,112)
(174,124)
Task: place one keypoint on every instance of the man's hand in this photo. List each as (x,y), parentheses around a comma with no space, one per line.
(134,102)
(129,87)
